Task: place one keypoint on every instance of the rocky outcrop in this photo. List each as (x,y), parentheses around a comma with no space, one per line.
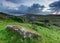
(24,32)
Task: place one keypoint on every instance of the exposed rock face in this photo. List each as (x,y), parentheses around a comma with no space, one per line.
(24,32)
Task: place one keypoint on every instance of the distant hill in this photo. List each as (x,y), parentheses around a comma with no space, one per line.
(55,19)
(8,16)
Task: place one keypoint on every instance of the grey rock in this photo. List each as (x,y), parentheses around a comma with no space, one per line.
(24,32)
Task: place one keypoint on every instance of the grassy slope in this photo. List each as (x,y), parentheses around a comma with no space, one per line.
(50,35)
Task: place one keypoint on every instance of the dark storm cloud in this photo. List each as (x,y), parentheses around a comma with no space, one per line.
(20,6)
(35,8)
(55,6)
(2,8)
(23,9)
(16,1)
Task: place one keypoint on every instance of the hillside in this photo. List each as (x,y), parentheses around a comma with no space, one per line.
(50,34)
(54,19)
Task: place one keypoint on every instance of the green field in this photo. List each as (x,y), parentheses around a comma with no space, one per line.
(50,34)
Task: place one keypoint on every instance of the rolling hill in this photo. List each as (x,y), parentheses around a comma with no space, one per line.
(50,34)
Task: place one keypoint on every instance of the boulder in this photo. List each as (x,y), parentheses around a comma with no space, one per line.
(24,32)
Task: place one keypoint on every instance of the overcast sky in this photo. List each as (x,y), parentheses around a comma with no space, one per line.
(15,5)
